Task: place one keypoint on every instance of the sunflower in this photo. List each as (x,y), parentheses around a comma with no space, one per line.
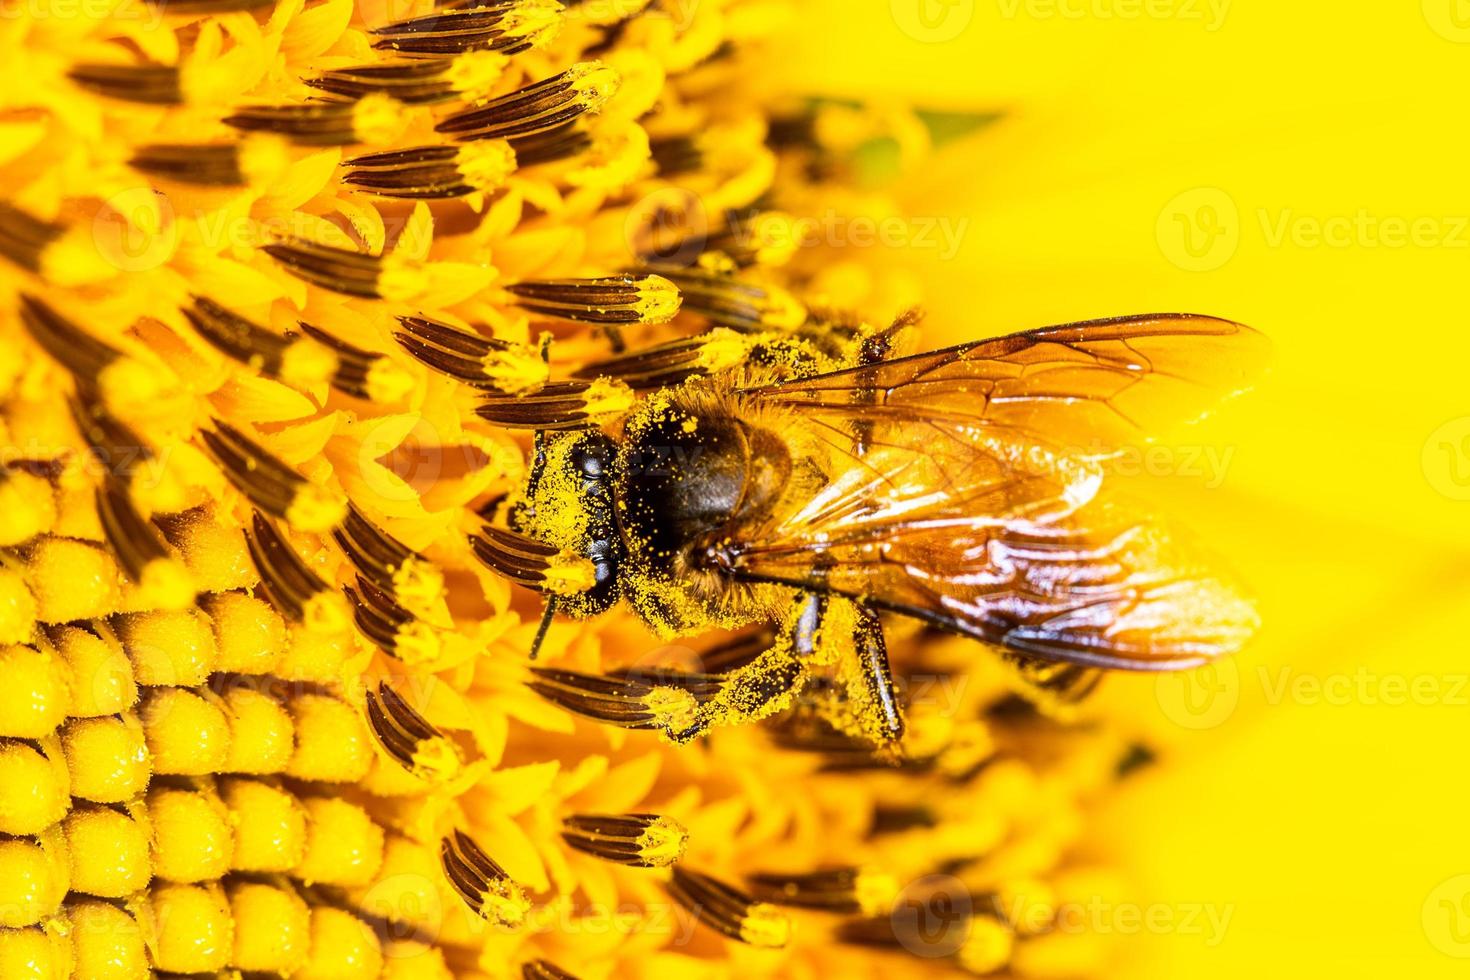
(280,282)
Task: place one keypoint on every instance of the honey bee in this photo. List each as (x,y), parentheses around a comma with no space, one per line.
(816,485)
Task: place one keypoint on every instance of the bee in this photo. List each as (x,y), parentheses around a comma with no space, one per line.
(820,486)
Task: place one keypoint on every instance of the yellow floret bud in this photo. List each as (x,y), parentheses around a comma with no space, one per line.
(987,946)
(215,555)
(272,928)
(34,697)
(269,823)
(343,844)
(187,735)
(314,655)
(332,742)
(36,954)
(195,931)
(173,648)
(342,948)
(108,759)
(32,882)
(102,681)
(107,943)
(27,508)
(404,891)
(261,733)
(108,852)
(17,608)
(33,790)
(192,840)
(409,960)
(72,580)
(249,635)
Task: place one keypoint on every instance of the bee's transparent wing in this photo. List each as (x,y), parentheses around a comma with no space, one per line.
(1089,387)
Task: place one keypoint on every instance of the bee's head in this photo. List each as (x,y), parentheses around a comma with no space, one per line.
(571,508)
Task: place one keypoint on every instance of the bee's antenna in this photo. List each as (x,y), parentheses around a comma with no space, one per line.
(546,618)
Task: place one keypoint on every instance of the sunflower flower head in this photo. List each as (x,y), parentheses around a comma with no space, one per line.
(284,287)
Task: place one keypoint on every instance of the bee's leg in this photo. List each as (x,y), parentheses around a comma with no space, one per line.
(881,716)
(1055,689)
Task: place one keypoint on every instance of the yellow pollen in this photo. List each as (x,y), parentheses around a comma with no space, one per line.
(377,119)
(607,397)
(765,925)
(306,363)
(663,842)
(387,382)
(485,164)
(475,73)
(315,509)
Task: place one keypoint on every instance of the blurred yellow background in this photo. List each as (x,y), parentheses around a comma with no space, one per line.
(1301,167)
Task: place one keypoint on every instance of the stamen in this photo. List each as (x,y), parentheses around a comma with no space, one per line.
(557,406)
(374,119)
(69,345)
(676,155)
(676,360)
(849,890)
(552,145)
(531,564)
(728,911)
(506,26)
(433,172)
(381,619)
(411,739)
(543,970)
(606,300)
(161,577)
(208,164)
(481,883)
(362,373)
(726,301)
(290,584)
(425,82)
(23,237)
(413,579)
(623,701)
(338,269)
(483,362)
(154,84)
(546,104)
(643,840)
(297,361)
(270,484)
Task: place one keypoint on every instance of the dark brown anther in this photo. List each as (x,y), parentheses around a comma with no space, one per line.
(849,890)
(729,911)
(628,702)
(153,84)
(543,970)
(482,884)
(72,347)
(208,164)
(270,484)
(433,172)
(471,359)
(728,301)
(373,119)
(23,237)
(552,145)
(362,373)
(506,26)
(296,591)
(393,628)
(642,840)
(607,300)
(337,269)
(544,105)
(412,741)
